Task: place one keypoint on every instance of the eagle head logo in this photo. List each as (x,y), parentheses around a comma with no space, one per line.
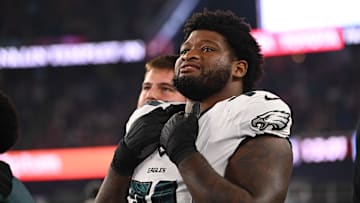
(277,120)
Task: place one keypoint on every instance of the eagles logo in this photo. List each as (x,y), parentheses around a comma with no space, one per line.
(277,120)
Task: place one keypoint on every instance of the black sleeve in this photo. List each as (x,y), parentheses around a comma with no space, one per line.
(5,179)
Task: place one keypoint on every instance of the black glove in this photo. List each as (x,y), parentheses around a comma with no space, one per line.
(179,134)
(141,140)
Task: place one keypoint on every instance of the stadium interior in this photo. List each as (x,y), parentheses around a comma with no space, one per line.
(72,101)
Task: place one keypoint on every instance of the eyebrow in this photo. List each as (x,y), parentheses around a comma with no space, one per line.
(202,41)
(162,84)
(165,84)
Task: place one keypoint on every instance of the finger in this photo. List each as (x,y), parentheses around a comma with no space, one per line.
(174,108)
(195,110)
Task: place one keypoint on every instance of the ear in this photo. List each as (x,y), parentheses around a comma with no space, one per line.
(239,68)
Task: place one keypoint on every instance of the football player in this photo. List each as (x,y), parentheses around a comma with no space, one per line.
(158,81)
(231,144)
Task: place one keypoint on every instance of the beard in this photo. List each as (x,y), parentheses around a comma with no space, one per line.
(202,87)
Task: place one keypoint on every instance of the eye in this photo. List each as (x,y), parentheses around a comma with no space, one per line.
(167,89)
(207,49)
(146,87)
(183,51)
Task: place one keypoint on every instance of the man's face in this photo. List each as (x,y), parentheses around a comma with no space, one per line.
(157,85)
(204,66)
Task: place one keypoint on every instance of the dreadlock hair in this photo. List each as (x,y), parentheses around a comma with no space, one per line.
(237,34)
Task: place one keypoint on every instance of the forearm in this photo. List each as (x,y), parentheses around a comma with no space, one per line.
(206,185)
(113,189)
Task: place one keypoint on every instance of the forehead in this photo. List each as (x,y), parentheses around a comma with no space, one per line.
(159,76)
(205,36)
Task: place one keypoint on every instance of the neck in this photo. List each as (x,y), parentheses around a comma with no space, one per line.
(231,89)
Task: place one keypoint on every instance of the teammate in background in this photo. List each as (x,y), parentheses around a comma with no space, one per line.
(356,178)
(231,145)
(158,84)
(11,189)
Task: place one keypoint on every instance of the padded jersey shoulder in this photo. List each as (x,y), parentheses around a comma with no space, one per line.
(260,112)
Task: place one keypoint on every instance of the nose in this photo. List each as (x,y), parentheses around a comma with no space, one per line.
(152,94)
(191,54)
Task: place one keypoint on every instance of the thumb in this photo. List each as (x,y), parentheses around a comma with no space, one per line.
(195,110)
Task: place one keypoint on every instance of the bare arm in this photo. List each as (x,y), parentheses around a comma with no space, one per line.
(259,171)
(114,188)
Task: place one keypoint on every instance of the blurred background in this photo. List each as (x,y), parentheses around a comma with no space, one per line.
(74,69)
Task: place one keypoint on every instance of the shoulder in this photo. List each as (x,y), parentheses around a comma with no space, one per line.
(12,190)
(259,99)
(261,112)
(19,192)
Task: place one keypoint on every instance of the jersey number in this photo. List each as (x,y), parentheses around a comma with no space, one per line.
(164,191)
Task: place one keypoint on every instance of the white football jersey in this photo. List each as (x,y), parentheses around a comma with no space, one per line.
(221,129)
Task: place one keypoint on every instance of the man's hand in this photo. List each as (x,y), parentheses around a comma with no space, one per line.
(179,134)
(141,140)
